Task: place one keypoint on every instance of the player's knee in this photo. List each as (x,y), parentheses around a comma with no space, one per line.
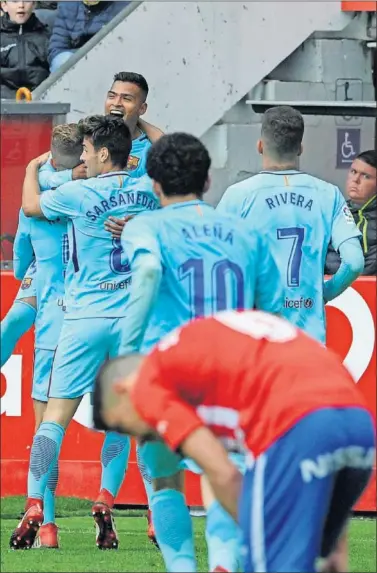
(61,410)
(175,481)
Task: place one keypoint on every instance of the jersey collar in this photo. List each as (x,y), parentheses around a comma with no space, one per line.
(112,173)
(282,172)
(187,204)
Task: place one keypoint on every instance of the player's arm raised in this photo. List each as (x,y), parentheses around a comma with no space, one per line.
(31,190)
(151,131)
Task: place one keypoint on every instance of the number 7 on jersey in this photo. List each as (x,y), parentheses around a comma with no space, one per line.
(297,235)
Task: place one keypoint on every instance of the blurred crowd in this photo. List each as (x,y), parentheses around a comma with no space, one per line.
(37,38)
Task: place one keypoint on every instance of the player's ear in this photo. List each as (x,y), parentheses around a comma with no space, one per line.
(104,154)
(301,150)
(207,184)
(143,108)
(157,189)
(260,146)
(119,387)
(53,163)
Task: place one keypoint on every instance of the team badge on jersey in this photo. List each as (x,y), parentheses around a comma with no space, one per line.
(133,162)
(348,215)
(26,283)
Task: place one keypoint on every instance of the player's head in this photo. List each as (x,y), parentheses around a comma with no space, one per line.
(106,144)
(127,97)
(179,164)
(361,180)
(18,12)
(112,407)
(281,135)
(66,146)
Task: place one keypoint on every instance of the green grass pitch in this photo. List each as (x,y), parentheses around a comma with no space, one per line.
(136,553)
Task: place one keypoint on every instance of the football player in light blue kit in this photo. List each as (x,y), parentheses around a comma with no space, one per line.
(48,243)
(21,316)
(187,261)
(126,98)
(97,287)
(302,215)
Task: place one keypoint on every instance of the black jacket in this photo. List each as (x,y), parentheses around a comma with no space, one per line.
(24,51)
(366,219)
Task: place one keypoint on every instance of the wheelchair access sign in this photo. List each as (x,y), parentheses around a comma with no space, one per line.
(347,148)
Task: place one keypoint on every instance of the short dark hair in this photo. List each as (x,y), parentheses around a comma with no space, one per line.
(66,145)
(179,162)
(110,132)
(368,157)
(133,78)
(282,131)
(110,371)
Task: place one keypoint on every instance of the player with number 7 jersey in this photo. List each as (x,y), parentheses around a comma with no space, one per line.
(302,215)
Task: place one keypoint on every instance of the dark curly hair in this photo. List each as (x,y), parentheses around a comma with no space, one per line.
(179,162)
(110,132)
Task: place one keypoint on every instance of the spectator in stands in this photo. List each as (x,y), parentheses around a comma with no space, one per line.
(362,201)
(75,24)
(24,48)
(46,13)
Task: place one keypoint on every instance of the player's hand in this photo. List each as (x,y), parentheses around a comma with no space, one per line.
(115,226)
(40,160)
(79,172)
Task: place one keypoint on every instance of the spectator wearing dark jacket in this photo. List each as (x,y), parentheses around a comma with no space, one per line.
(75,24)
(24,47)
(362,201)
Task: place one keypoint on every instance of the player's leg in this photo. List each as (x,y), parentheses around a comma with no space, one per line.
(148,486)
(81,350)
(287,494)
(43,362)
(171,516)
(223,536)
(19,319)
(349,485)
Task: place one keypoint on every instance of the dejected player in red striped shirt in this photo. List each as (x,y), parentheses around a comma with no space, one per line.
(252,381)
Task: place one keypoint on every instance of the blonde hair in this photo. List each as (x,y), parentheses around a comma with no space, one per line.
(66,145)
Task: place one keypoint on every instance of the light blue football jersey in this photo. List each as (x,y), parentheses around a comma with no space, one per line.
(301,215)
(137,160)
(210,262)
(98,274)
(49,243)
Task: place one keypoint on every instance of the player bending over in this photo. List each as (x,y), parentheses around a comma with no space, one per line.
(288,400)
(302,215)
(187,261)
(97,287)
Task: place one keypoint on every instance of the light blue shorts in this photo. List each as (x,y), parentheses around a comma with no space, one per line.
(162,462)
(27,288)
(84,345)
(43,361)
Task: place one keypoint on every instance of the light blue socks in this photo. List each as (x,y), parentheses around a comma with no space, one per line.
(223,538)
(114,460)
(49,496)
(43,458)
(173,528)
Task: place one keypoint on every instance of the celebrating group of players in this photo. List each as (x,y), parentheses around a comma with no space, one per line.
(121,244)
